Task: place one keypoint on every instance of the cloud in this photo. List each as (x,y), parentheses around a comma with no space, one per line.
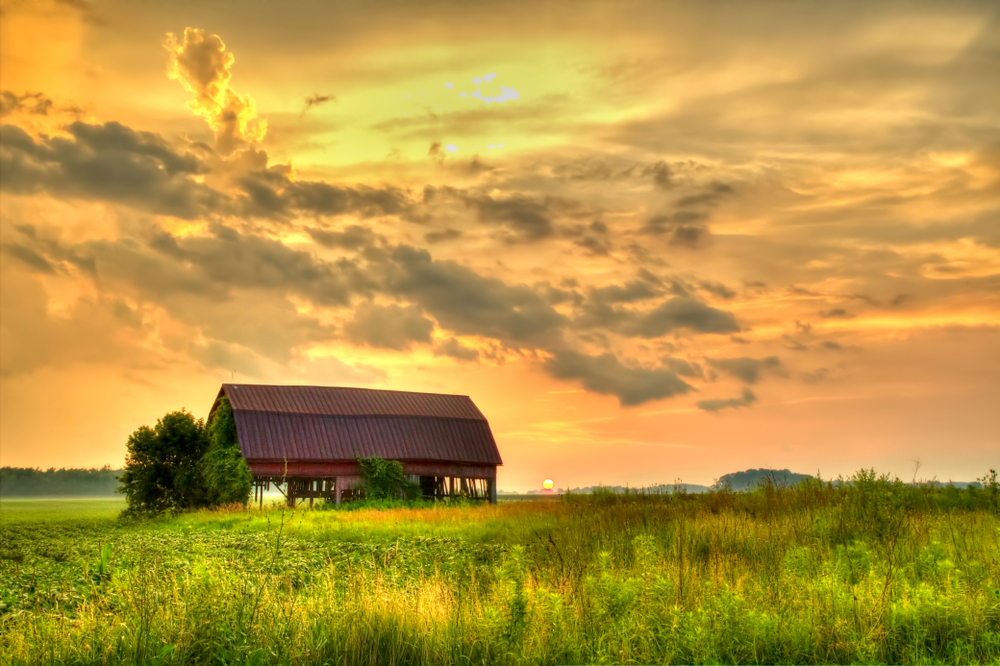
(836,313)
(231,259)
(661,173)
(595,247)
(455,349)
(200,63)
(225,356)
(684,368)
(607,375)
(114,163)
(388,326)
(88,331)
(29,257)
(830,344)
(710,197)
(443,235)
(815,376)
(718,289)
(270,194)
(353,237)
(467,303)
(630,292)
(745,369)
(108,162)
(682,312)
(683,229)
(35,104)
(745,400)
(318,100)
(527,218)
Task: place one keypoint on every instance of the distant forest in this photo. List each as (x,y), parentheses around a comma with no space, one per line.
(751,478)
(31,482)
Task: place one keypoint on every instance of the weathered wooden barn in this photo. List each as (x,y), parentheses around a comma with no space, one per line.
(306,439)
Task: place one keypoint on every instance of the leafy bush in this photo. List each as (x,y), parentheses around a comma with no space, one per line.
(227,476)
(384,480)
(163,466)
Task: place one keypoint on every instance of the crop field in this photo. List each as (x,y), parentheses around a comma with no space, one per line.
(869,572)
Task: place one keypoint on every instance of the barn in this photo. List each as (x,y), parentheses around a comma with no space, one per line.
(305,440)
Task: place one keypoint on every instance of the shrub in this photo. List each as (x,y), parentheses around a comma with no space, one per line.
(162,466)
(225,471)
(384,479)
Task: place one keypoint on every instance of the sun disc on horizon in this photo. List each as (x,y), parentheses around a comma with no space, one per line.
(547,484)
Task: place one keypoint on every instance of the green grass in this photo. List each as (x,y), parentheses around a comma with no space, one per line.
(873,572)
(60,510)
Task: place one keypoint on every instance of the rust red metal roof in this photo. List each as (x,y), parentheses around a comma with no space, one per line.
(326,423)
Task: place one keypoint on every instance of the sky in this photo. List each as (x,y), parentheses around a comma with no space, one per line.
(654,242)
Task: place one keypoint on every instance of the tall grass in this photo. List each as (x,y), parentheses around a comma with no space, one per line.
(868,571)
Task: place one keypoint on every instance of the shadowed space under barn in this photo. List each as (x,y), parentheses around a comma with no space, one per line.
(309,438)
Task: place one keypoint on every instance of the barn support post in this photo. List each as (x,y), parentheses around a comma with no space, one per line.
(338,487)
(493,490)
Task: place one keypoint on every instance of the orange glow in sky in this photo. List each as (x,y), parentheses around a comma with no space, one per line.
(652,241)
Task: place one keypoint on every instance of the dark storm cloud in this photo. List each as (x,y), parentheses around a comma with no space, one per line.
(745,369)
(108,162)
(630,292)
(317,100)
(710,197)
(662,175)
(527,218)
(271,194)
(718,289)
(683,228)
(595,247)
(29,257)
(607,375)
(467,303)
(231,259)
(591,237)
(836,313)
(793,344)
(746,399)
(682,312)
(35,104)
(443,235)
(114,163)
(388,326)
(455,349)
(353,237)
(684,368)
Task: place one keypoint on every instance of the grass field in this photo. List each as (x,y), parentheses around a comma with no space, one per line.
(871,572)
(59,510)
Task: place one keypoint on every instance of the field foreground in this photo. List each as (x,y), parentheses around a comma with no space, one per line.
(872,572)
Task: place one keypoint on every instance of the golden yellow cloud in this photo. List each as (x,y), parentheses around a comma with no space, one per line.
(200,62)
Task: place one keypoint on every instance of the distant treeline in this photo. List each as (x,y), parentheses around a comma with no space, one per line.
(33,482)
(736,481)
